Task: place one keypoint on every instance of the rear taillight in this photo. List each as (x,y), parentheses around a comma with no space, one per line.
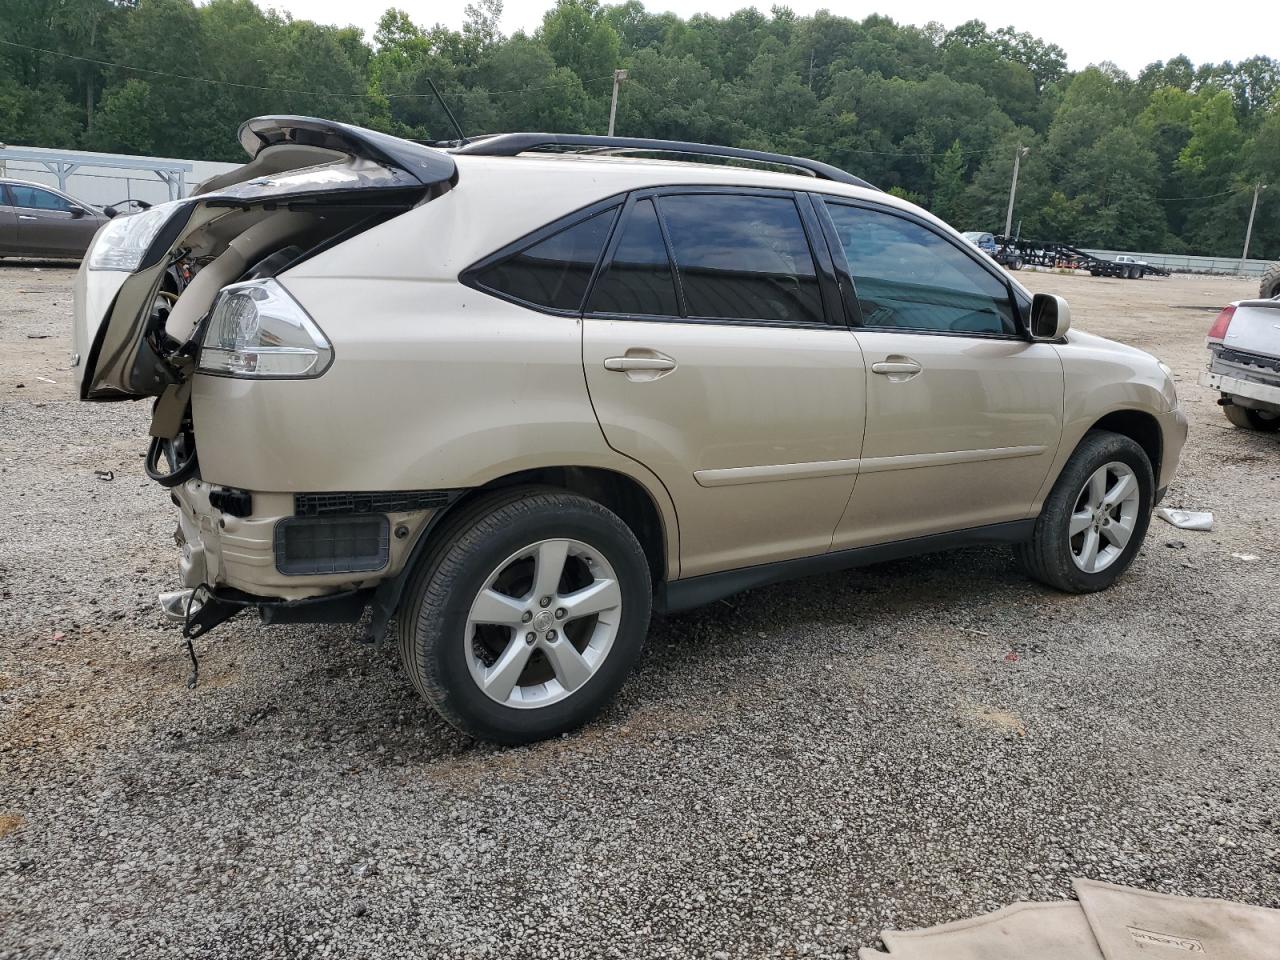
(257,331)
(1219,329)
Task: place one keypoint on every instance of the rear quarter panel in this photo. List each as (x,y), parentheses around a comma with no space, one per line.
(433,386)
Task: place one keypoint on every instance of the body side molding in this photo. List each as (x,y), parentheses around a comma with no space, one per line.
(728,476)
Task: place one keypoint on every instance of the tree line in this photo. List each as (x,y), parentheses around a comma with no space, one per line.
(1162,161)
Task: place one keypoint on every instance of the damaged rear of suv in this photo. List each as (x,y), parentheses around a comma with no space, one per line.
(188,292)
(515,400)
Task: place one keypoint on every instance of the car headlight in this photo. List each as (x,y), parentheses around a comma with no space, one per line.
(257,331)
(1169,384)
(124,241)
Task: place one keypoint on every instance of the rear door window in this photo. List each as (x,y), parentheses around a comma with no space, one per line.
(639,280)
(742,257)
(553,272)
(34,198)
(909,278)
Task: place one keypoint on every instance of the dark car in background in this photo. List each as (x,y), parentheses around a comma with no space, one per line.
(39,221)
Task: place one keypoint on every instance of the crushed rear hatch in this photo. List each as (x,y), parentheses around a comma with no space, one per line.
(149,278)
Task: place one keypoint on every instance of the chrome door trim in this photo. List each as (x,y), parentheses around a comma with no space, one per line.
(769,472)
(912,461)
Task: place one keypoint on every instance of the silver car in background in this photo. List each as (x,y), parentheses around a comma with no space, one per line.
(1244,363)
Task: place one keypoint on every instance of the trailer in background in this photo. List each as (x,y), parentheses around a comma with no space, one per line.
(1015,253)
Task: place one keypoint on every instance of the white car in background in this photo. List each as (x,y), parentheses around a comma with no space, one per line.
(1244,363)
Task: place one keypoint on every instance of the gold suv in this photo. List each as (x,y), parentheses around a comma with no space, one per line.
(517,393)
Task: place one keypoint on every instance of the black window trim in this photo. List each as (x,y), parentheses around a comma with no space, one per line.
(824,278)
(849,307)
(854,308)
(470,276)
(611,248)
(828,260)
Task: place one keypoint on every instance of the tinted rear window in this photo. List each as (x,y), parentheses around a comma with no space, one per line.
(553,272)
(638,279)
(743,257)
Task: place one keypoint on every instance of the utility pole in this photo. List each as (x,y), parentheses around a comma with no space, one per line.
(618,77)
(1248,233)
(1013,187)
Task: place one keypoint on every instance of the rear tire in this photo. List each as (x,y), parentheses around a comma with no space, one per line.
(1247,419)
(1270,285)
(1073,518)
(502,568)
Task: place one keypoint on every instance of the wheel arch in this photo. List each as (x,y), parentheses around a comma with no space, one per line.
(650,517)
(1140,427)
(623,494)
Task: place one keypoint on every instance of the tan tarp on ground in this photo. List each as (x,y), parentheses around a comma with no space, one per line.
(1108,923)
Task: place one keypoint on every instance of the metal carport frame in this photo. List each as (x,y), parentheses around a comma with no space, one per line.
(172,173)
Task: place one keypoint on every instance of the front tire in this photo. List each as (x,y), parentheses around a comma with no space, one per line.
(1248,419)
(1095,518)
(528,617)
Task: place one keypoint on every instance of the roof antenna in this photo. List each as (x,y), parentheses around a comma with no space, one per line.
(449,113)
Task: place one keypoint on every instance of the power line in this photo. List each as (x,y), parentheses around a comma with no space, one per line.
(1207,196)
(288,90)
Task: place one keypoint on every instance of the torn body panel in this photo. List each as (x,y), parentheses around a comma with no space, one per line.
(307,183)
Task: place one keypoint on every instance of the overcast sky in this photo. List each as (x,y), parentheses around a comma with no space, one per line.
(1131,33)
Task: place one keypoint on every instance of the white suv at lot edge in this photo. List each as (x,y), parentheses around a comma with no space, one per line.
(516,397)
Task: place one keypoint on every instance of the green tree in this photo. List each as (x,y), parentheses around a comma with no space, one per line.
(1167,158)
(580,37)
(948,199)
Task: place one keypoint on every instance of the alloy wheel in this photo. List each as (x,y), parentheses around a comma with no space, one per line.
(1104,517)
(543,623)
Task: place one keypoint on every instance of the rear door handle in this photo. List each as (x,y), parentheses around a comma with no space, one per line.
(623,364)
(901,367)
(23,216)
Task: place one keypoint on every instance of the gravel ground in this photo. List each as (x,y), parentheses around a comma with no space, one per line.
(788,773)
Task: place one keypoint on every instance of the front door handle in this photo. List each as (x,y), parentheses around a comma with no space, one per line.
(23,216)
(897,368)
(623,364)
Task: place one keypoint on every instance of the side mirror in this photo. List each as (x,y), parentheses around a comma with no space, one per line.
(1050,317)
(110,211)
(76,212)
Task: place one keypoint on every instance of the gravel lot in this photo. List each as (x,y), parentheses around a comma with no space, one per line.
(788,773)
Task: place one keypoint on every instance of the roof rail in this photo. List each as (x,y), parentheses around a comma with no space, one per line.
(510,144)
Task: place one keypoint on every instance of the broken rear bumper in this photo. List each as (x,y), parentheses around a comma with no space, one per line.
(1258,390)
(271,554)
(201,609)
